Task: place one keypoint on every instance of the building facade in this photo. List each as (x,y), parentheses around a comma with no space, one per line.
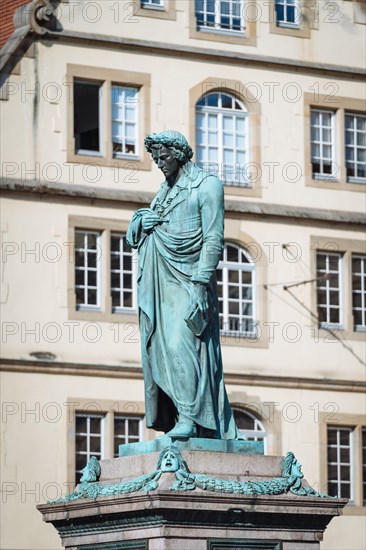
(270,96)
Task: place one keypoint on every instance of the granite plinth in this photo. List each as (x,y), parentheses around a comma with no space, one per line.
(167,519)
(193,444)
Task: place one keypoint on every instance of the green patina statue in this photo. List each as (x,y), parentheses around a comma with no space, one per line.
(171,461)
(180,240)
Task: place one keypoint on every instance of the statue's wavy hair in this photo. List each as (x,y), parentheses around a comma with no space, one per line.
(174,141)
(287,464)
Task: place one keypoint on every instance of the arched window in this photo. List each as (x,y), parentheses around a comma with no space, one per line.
(249,426)
(236,292)
(222,137)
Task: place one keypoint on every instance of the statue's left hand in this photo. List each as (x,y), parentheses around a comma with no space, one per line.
(199,297)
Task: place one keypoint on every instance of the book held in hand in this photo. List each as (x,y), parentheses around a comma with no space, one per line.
(196,321)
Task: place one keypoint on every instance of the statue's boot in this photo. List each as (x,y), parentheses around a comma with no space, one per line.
(183,429)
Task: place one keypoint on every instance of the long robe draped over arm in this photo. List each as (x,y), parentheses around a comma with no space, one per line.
(182,373)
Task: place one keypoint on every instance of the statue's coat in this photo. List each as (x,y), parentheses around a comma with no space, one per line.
(182,372)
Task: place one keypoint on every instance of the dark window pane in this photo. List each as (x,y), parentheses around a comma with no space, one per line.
(332,454)
(133,427)
(332,472)
(332,489)
(345,473)
(92,259)
(127,299)
(86,116)
(243,421)
(119,426)
(92,297)
(344,437)
(232,254)
(345,490)
(81,461)
(79,292)
(80,443)
(332,436)
(95,444)
(80,424)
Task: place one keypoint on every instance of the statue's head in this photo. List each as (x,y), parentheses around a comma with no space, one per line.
(170,151)
(92,470)
(170,460)
(172,140)
(291,466)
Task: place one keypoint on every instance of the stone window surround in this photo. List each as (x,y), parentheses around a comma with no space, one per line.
(109,408)
(105,313)
(236,89)
(307,21)
(249,38)
(168,11)
(339,105)
(108,77)
(346,420)
(347,247)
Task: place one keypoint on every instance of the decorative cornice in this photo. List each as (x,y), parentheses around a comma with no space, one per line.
(134,372)
(134,199)
(214,55)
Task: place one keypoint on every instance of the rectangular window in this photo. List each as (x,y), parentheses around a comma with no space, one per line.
(288,13)
(222,15)
(329,295)
(87,113)
(340,462)
(126,430)
(359,292)
(125,101)
(152,4)
(355,143)
(87,269)
(322,147)
(123,274)
(89,440)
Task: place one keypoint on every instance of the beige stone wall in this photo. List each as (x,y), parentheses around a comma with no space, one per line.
(36,274)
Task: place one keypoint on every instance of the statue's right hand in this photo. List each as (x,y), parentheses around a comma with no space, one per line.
(150,220)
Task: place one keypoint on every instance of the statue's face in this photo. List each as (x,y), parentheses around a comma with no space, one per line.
(296,468)
(165,161)
(169,462)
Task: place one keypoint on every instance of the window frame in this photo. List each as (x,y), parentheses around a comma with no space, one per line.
(90,307)
(253,109)
(89,453)
(167,11)
(219,113)
(107,78)
(248,37)
(328,324)
(105,312)
(353,179)
(308,21)
(217,28)
(340,106)
(357,424)
(362,291)
(107,408)
(296,24)
(323,176)
(225,266)
(127,418)
(261,432)
(347,247)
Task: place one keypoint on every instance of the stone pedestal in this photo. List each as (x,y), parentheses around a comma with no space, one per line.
(189,516)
